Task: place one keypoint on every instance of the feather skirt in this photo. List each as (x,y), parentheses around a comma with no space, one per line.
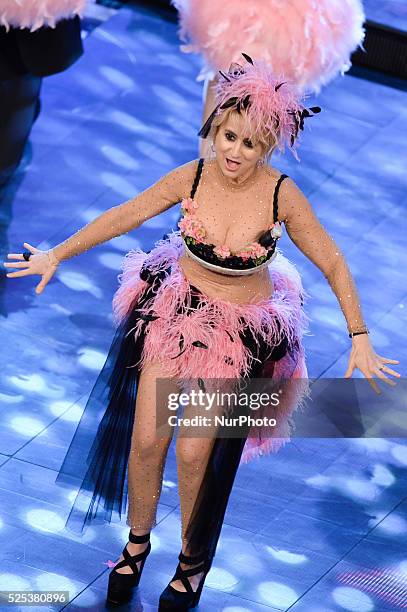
(162,318)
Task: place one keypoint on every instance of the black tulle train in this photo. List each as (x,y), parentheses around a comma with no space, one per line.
(96,461)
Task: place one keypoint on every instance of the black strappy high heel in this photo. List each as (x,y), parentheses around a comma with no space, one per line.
(121,585)
(181,601)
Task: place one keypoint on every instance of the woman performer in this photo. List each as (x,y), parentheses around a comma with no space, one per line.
(213,300)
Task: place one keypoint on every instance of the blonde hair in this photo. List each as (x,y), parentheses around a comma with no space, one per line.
(261,138)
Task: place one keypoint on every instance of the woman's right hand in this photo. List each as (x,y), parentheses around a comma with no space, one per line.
(43,263)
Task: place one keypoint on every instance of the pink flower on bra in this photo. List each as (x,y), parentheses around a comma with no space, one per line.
(189,205)
(184,224)
(199,232)
(192,227)
(244,254)
(222,251)
(257,250)
(253,250)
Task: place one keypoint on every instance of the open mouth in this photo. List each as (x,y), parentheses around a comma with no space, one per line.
(231,165)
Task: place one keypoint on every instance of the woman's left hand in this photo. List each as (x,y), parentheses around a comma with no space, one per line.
(369,363)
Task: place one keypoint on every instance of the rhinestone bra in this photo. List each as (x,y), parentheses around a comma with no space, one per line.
(221,259)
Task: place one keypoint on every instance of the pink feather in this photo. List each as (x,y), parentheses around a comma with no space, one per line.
(310,41)
(33,14)
(273,101)
(216,324)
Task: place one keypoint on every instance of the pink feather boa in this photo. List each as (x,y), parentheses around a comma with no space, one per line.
(33,14)
(217,324)
(310,41)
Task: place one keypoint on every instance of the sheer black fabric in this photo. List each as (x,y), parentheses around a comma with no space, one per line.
(97,458)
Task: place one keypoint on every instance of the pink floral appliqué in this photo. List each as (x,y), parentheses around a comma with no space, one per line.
(222,251)
(189,205)
(192,227)
(253,250)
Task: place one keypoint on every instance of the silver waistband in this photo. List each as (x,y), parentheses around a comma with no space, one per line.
(227,271)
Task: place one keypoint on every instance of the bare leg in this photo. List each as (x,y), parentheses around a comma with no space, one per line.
(192,458)
(146,461)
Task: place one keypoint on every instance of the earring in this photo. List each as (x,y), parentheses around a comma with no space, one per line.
(261,161)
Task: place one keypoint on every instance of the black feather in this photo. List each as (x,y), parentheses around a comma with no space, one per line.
(248,58)
(148,317)
(230,336)
(199,344)
(201,385)
(181,347)
(229,103)
(206,128)
(246,101)
(224,76)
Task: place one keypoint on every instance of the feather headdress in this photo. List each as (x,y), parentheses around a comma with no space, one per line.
(273,105)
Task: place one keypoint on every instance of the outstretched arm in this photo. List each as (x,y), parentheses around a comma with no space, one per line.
(309,235)
(119,220)
(116,221)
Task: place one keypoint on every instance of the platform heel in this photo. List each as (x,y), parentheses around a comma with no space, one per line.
(121,586)
(180,601)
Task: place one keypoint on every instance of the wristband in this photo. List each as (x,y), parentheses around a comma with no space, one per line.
(358,333)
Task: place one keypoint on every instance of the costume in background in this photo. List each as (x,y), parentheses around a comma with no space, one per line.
(309,41)
(38,38)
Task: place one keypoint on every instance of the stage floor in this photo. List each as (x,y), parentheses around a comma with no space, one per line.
(391,13)
(300,524)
